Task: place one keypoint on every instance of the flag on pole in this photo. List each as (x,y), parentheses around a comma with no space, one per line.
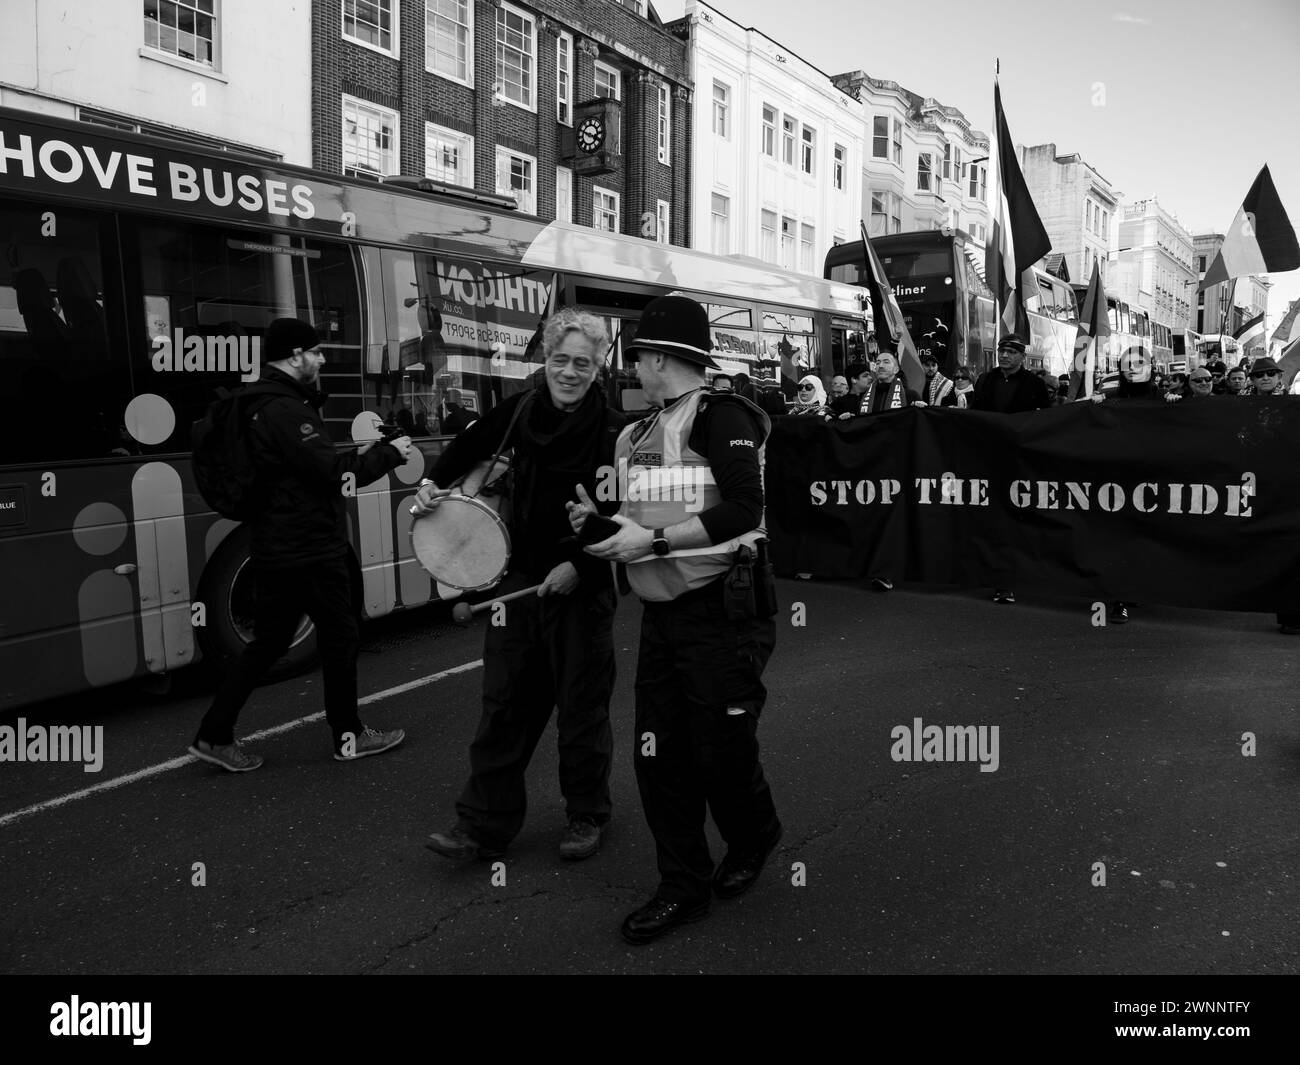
(1249,332)
(1094,331)
(1261,240)
(1289,364)
(887,319)
(1019,239)
(1288,329)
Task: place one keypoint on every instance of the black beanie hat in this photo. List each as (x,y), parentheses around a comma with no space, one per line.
(284,335)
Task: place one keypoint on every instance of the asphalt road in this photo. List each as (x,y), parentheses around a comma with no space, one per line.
(1117,745)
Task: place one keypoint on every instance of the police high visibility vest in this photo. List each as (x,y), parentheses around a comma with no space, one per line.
(667,483)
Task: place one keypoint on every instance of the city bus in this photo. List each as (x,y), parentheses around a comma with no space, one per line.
(1130,329)
(949,309)
(1162,346)
(138,276)
(1213,347)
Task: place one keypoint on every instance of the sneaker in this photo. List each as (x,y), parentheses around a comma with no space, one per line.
(1003,595)
(580,840)
(1285,630)
(229,756)
(457,842)
(372,741)
(1118,614)
(882,584)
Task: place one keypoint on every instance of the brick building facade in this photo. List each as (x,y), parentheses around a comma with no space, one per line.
(470,92)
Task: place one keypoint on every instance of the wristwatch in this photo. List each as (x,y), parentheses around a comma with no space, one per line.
(659,545)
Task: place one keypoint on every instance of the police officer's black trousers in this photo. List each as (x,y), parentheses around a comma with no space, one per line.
(553,651)
(699,694)
(324,591)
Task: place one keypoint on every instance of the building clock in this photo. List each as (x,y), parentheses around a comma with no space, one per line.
(591,133)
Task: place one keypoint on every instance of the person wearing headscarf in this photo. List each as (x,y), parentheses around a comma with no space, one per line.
(811,398)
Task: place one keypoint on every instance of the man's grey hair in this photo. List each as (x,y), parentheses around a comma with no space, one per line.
(575,320)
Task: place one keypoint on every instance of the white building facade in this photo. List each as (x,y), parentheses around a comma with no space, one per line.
(1158,273)
(1077,205)
(234,75)
(776,148)
(924,166)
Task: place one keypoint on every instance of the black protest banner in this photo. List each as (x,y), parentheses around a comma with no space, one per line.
(1193,504)
(835,495)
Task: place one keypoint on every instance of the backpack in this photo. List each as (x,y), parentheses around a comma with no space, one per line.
(222,461)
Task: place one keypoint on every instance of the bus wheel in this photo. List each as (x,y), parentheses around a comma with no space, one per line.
(229,593)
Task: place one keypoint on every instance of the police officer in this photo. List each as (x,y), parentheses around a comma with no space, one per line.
(694,496)
(301,557)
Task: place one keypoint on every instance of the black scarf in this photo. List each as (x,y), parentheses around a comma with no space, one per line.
(556,445)
(563,441)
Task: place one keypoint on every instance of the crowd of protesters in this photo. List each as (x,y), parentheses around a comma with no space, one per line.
(876,385)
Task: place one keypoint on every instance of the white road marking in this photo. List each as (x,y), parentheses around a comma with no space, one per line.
(176,763)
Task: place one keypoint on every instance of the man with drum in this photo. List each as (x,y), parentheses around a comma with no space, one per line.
(556,648)
(704,637)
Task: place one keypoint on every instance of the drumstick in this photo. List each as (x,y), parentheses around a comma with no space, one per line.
(463,613)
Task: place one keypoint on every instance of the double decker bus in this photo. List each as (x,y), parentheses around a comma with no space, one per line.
(1130,330)
(948,307)
(139,274)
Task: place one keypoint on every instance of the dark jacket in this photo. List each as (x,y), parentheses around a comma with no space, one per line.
(301,477)
(769,400)
(846,404)
(1027,392)
(458,419)
(540,535)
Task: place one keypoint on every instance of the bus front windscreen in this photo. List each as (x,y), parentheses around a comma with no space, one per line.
(933,262)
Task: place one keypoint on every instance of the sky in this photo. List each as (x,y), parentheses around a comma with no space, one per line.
(1197,95)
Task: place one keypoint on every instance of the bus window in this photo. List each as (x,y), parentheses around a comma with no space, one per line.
(207,295)
(1046,295)
(909,264)
(784,356)
(735,344)
(787,322)
(491,316)
(848,344)
(63,387)
(724,317)
(1068,309)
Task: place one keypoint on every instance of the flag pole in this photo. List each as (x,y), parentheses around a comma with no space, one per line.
(995,194)
(1229,295)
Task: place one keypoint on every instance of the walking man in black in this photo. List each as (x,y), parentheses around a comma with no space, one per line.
(699,690)
(301,557)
